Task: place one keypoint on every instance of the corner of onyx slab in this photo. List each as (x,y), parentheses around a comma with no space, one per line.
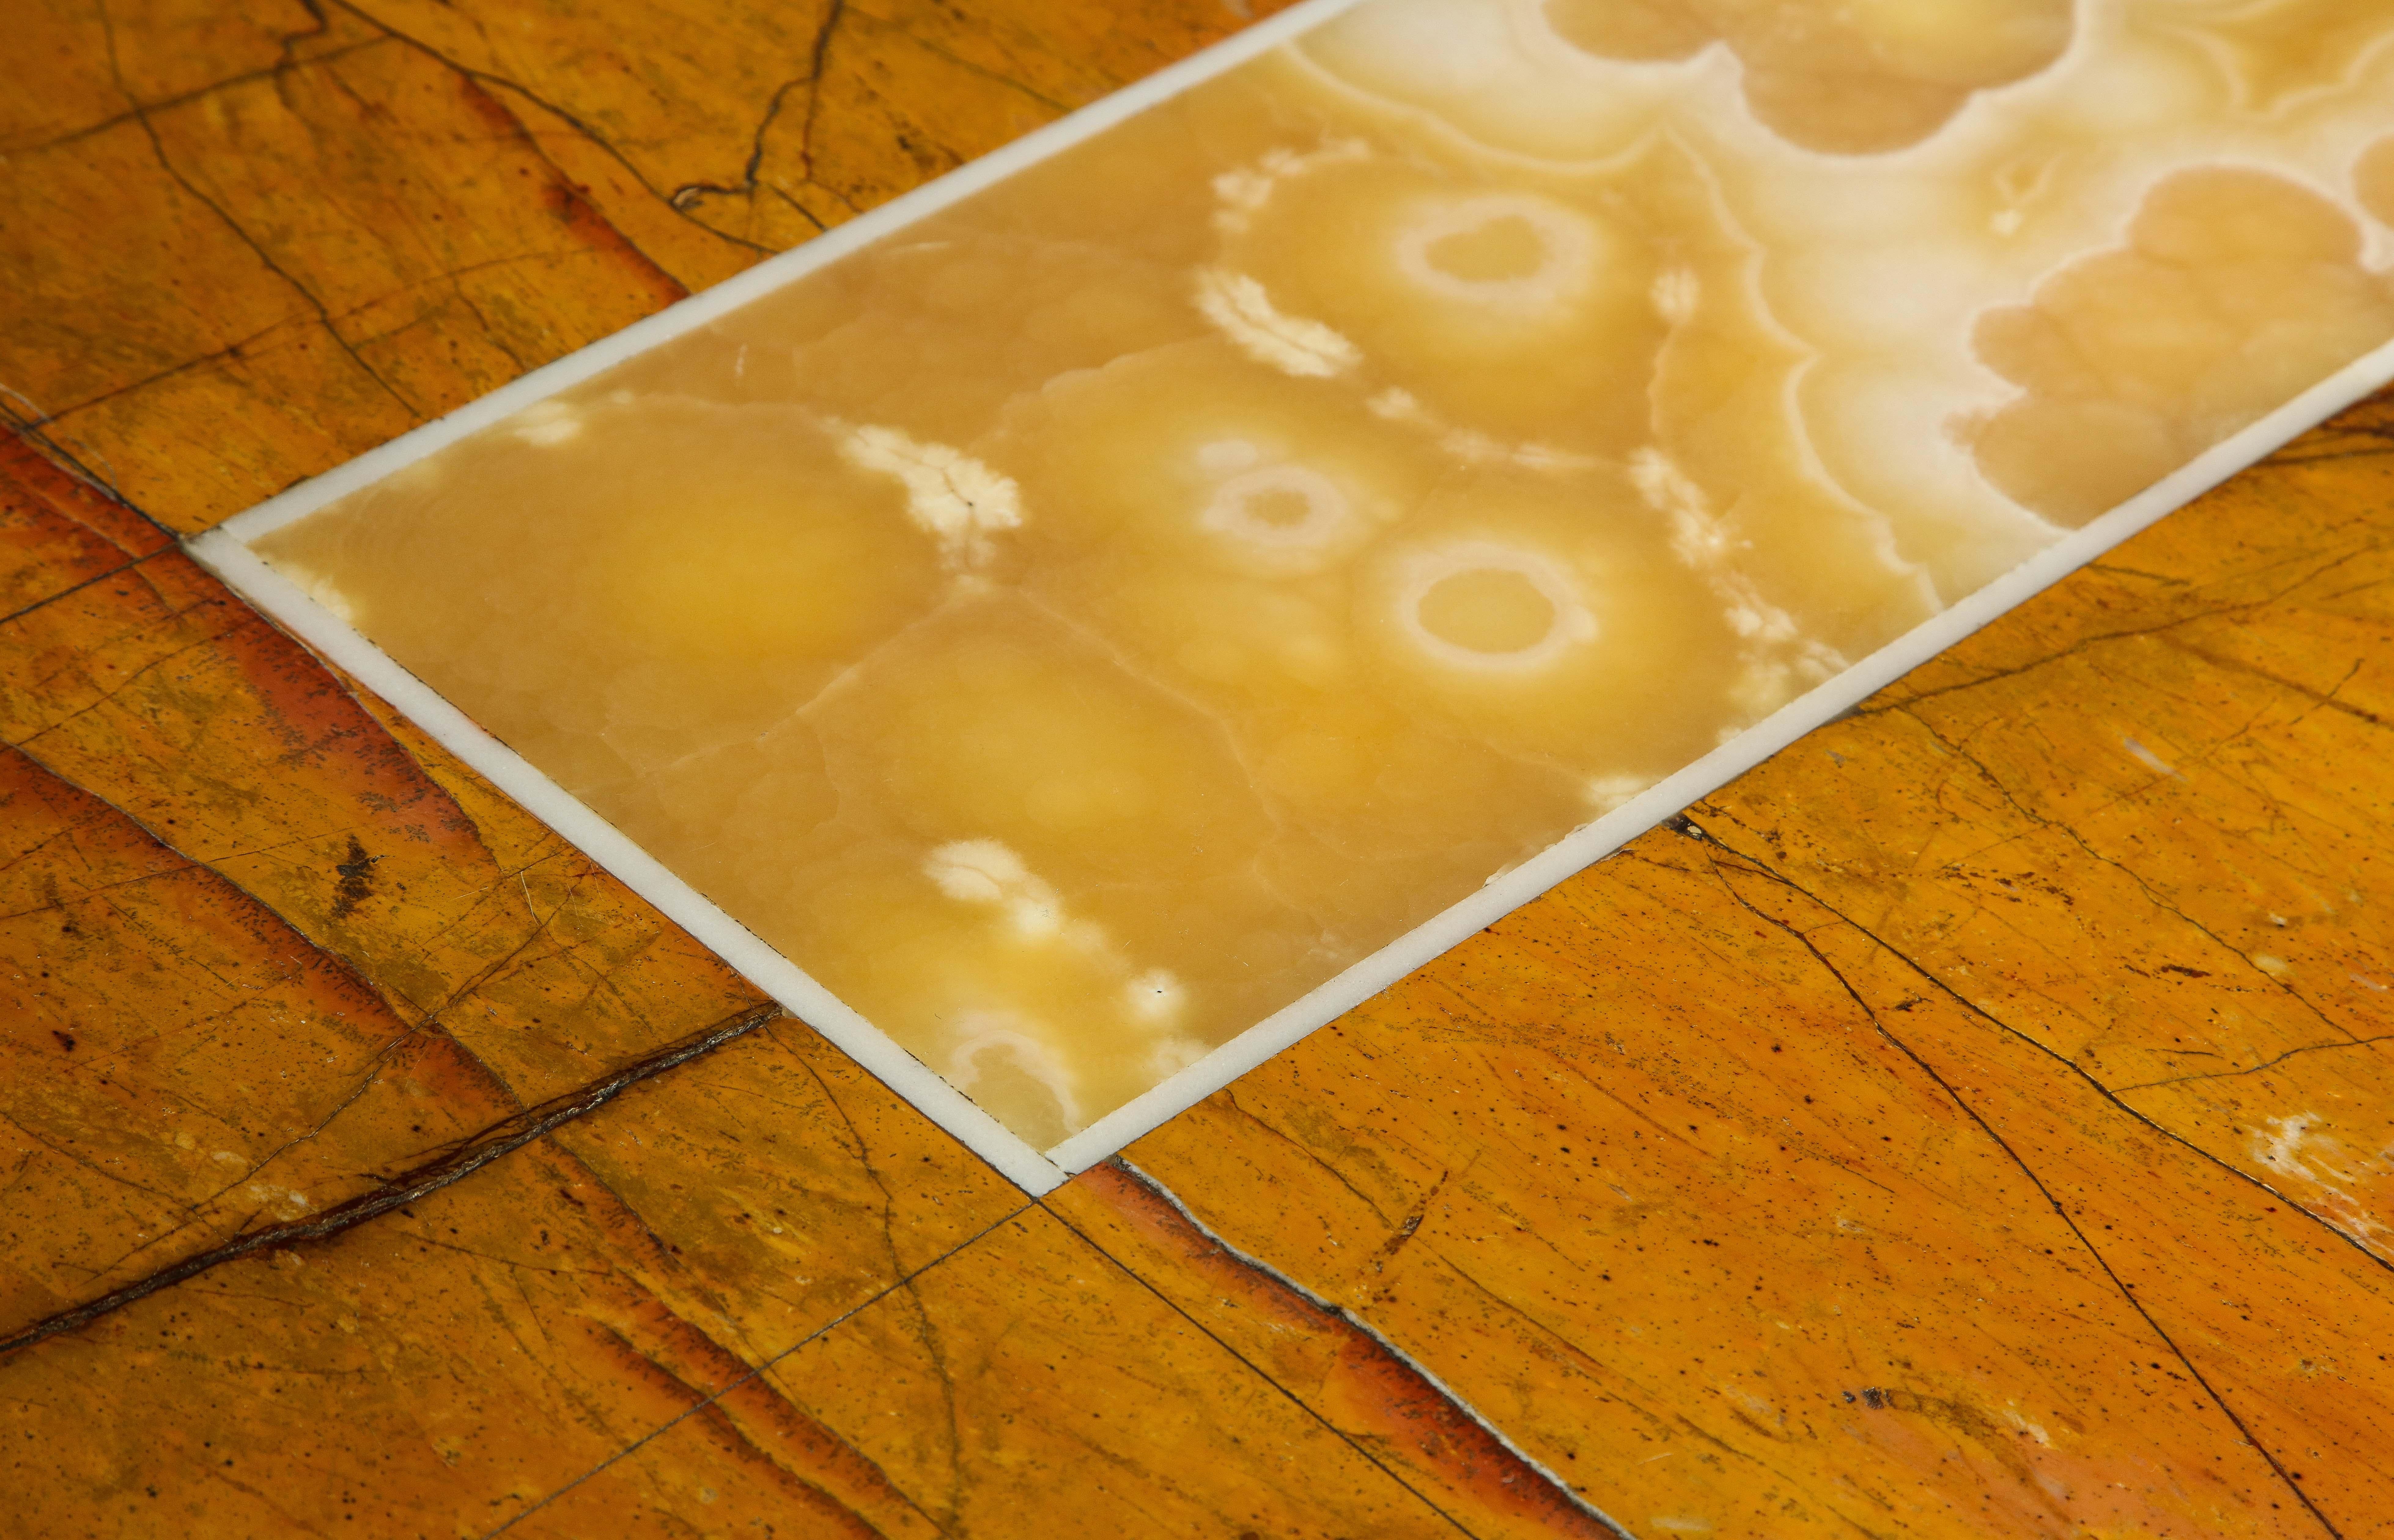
(1091,618)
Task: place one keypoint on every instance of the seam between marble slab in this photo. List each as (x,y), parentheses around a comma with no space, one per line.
(225,552)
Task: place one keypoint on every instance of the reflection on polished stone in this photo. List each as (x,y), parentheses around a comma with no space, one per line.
(1081,623)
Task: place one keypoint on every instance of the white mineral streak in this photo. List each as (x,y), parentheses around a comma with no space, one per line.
(1238,305)
(1242,192)
(1172,1056)
(1676,294)
(322,589)
(1470,445)
(976,870)
(989,874)
(2333,1180)
(546,425)
(1253,508)
(1608,792)
(985,872)
(1228,456)
(1780,661)
(952,497)
(1155,997)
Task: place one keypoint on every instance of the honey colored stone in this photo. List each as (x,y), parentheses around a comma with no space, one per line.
(2281,51)
(1507,309)
(1547,617)
(1659,1227)
(1030,1364)
(2206,702)
(441,1369)
(434,1419)
(1865,78)
(1084,621)
(2265,292)
(1880,263)
(934,334)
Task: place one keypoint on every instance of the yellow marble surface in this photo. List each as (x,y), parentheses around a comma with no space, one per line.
(1088,619)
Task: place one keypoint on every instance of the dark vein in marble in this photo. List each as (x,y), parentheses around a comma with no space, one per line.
(1986,1125)
(458,1161)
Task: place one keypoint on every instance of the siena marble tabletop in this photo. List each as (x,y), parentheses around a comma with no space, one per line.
(1090,614)
(1083,621)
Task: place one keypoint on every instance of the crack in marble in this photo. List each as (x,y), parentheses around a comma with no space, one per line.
(243,234)
(668,199)
(2120,1286)
(2070,832)
(462,1160)
(1748,862)
(1571,1513)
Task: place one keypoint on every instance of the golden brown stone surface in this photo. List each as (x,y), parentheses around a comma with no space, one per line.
(2000,1058)
(2069,944)
(1084,621)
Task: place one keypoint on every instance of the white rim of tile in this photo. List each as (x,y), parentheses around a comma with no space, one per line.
(225,551)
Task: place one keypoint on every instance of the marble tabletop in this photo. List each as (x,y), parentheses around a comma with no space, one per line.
(1972,1120)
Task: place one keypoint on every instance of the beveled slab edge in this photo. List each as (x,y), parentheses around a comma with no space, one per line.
(225,552)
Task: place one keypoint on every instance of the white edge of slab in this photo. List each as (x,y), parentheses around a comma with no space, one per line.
(225,551)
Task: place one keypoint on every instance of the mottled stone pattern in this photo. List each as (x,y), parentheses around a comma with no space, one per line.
(1991,1081)
(2073,939)
(1089,618)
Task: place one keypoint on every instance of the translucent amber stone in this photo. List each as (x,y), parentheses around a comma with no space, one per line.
(1080,623)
